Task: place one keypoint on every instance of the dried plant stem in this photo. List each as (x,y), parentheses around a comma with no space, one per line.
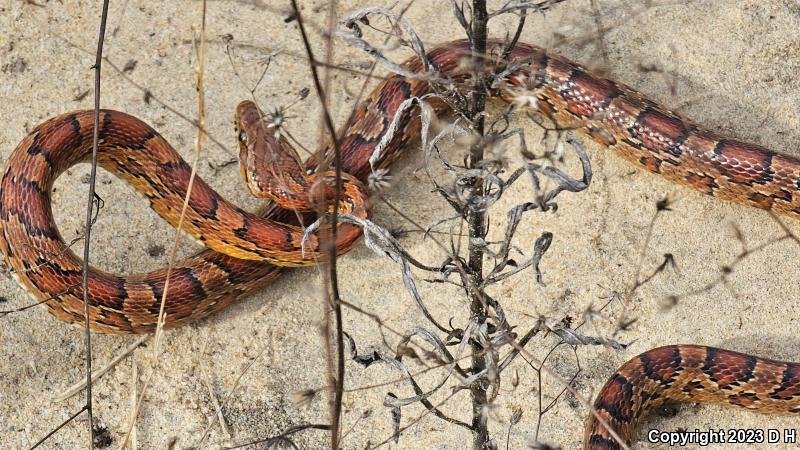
(174,252)
(89,215)
(336,381)
(134,442)
(198,145)
(60,426)
(477,231)
(214,401)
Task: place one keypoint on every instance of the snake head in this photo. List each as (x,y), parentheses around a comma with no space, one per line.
(269,165)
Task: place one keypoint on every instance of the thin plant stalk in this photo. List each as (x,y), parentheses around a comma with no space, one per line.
(477,229)
(89,219)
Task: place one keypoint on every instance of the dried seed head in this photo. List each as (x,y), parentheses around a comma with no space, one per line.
(466,140)
(276,118)
(524,97)
(516,415)
(532,444)
(304,397)
(496,149)
(405,350)
(378,180)
(526,101)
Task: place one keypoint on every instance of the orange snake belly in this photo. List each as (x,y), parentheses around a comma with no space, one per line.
(616,116)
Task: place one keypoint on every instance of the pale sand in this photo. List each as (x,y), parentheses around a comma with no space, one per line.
(733,65)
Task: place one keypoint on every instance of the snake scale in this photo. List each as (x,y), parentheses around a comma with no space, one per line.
(619,118)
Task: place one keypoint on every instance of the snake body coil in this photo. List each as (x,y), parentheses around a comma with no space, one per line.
(611,113)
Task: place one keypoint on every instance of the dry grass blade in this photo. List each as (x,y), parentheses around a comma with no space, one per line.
(154,364)
(97,374)
(133,443)
(207,381)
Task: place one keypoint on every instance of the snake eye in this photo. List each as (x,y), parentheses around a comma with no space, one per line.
(243,137)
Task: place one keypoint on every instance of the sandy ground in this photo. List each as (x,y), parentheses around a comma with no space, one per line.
(729,65)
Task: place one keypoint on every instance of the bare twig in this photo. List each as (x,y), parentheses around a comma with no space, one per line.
(89,216)
(336,381)
(55,430)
